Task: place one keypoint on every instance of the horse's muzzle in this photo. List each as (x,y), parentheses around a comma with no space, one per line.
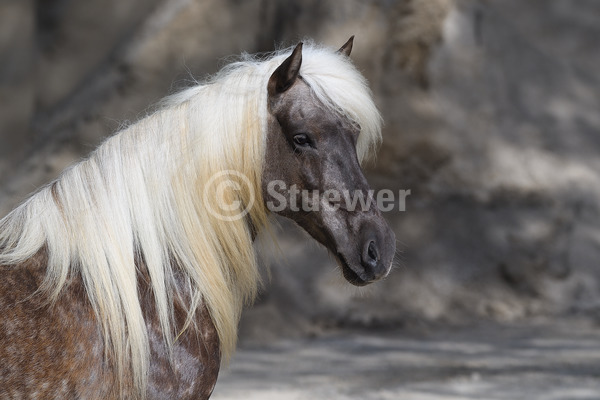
(376,256)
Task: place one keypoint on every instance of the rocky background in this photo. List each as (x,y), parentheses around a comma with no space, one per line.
(491,120)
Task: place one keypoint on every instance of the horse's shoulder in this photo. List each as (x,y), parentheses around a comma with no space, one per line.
(56,349)
(195,362)
(49,350)
(196,355)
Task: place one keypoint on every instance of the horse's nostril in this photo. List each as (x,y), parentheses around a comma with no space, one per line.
(372,251)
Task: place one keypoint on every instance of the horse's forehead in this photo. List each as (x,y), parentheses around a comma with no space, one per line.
(301,103)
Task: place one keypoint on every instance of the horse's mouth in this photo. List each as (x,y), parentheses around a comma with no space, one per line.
(349,274)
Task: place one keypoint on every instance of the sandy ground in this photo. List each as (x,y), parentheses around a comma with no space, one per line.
(548,361)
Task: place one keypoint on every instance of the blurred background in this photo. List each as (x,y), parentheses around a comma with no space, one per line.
(492,120)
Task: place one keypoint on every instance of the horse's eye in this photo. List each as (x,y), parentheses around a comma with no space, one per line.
(301,139)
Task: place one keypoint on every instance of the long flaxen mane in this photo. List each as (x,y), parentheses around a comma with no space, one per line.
(141,196)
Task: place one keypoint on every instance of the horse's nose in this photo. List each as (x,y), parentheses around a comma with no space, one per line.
(370,255)
(371,260)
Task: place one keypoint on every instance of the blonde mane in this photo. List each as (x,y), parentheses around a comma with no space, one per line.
(139,197)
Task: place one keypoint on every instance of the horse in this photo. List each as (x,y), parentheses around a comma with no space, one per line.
(126,276)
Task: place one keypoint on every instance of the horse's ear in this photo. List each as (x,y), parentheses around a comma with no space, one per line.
(285,75)
(346,49)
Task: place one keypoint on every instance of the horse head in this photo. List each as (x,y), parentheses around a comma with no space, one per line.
(312,169)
